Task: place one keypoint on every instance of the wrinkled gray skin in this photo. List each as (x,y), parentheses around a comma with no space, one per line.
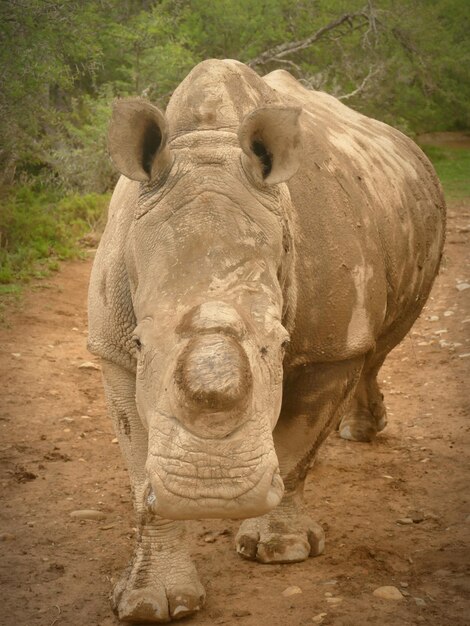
(251,213)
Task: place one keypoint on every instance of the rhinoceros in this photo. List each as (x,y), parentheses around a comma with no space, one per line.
(266,247)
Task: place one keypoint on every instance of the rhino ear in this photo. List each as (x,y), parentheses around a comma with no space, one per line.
(270,140)
(137,139)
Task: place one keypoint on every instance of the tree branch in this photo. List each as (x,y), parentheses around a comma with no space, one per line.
(278,52)
(372,72)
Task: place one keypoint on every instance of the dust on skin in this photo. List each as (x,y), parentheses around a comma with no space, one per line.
(359,328)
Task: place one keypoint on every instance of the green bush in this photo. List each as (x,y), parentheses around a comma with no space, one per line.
(40,227)
(79,161)
(453,168)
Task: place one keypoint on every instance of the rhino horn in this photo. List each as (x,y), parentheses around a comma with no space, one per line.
(137,139)
(214,373)
(270,139)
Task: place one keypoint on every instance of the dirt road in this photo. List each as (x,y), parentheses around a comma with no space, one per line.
(58,455)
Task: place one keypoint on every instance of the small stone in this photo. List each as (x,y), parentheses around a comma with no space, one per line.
(417,517)
(108,527)
(209,539)
(441,332)
(89,514)
(328,594)
(16,354)
(419,602)
(75,328)
(404,521)
(465,355)
(291,591)
(241,613)
(318,619)
(403,584)
(114,440)
(88,365)
(448,313)
(388,592)
(334,601)
(7,537)
(442,573)
(387,476)
(85,417)
(433,318)
(463,286)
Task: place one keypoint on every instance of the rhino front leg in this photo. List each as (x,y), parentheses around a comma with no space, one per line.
(161,583)
(315,397)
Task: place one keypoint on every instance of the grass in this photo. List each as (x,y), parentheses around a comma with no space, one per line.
(38,229)
(453,168)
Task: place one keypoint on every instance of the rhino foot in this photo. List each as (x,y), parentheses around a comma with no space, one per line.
(284,535)
(366,415)
(158,592)
(361,426)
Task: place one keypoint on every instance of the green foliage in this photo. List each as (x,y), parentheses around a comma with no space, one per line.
(38,228)
(226,29)
(80,160)
(453,168)
(47,49)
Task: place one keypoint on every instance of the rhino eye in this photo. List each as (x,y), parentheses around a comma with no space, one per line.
(285,344)
(137,343)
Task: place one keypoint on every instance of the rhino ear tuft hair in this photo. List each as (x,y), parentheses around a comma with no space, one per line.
(270,138)
(137,139)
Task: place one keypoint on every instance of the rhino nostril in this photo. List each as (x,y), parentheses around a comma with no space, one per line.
(213,372)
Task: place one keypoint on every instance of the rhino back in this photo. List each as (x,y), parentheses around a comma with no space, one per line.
(370,227)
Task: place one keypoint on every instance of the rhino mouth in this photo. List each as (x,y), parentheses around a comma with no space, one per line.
(177,498)
(193,477)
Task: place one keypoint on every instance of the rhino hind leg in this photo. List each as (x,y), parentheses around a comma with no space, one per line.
(366,415)
(161,583)
(285,535)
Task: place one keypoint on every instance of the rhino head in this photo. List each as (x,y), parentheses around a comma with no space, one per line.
(210,264)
